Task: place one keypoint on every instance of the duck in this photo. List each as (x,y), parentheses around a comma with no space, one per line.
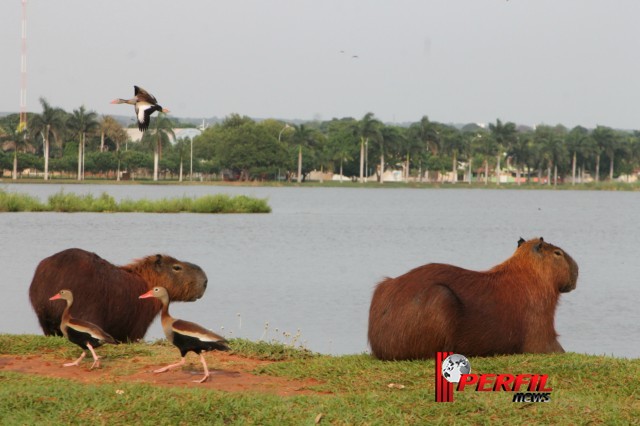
(145,104)
(186,336)
(83,333)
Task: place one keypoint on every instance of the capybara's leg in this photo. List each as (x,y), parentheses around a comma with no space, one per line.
(542,339)
(543,347)
(557,347)
(50,326)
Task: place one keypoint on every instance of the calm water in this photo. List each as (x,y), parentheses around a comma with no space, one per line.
(311,264)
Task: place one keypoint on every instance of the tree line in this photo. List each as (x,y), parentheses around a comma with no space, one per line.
(240,148)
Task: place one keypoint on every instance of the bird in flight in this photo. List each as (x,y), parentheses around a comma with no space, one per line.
(145,104)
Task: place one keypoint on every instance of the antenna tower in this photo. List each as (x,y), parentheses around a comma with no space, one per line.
(23,70)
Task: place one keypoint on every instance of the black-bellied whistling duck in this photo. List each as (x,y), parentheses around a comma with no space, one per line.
(187,336)
(145,105)
(83,333)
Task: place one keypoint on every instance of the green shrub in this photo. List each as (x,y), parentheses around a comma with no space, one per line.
(70,202)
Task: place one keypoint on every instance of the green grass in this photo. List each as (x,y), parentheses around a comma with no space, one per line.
(70,203)
(351,389)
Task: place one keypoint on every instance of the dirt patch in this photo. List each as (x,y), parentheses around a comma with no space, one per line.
(229,373)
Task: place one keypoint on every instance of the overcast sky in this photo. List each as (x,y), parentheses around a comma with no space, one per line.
(574,62)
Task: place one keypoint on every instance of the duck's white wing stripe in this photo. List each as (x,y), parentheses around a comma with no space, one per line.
(141,108)
(194,330)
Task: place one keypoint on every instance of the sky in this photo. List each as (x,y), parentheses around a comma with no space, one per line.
(570,62)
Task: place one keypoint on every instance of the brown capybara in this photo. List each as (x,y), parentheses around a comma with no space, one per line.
(506,310)
(106,294)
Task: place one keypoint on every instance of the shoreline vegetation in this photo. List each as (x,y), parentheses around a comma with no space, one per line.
(564,186)
(72,203)
(346,389)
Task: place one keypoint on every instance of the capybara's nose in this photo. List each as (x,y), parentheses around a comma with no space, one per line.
(206,280)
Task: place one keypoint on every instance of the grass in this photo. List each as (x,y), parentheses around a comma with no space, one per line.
(352,389)
(71,203)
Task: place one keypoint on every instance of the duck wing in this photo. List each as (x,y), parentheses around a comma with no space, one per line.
(144,96)
(91,329)
(196,331)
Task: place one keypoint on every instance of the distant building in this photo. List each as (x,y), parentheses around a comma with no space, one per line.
(135,135)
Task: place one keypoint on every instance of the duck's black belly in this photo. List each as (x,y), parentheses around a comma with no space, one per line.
(81,338)
(188,343)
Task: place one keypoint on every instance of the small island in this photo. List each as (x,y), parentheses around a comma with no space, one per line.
(105,203)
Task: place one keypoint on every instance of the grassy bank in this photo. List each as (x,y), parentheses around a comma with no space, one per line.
(70,202)
(350,389)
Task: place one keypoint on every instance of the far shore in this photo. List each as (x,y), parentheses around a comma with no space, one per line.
(591,186)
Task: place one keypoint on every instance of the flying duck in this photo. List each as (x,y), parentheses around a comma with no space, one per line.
(83,333)
(145,105)
(185,335)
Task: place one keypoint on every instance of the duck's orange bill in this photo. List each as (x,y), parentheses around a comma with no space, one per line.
(147,294)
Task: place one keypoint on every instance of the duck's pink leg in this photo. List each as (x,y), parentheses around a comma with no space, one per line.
(168,367)
(96,358)
(206,370)
(76,362)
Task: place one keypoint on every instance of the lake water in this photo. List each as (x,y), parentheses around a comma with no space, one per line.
(310,266)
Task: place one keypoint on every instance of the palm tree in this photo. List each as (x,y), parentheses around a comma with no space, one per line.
(368,128)
(520,153)
(468,145)
(576,142)
(504,136)
(110,128)
(426,133)
(486,146)
(48,124)
(181,146)
(634,151)
(303,136)
(390,138)
(82,122)
(14,134)
(553,148)
(341,137)
(605,142)
(471,140)
(9,136)
(162,130)
(409,148)
(453,144)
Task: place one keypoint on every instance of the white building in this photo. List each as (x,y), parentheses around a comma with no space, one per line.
(135,135)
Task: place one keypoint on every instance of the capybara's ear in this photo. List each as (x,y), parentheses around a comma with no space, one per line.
(541,240)
(520,241)
(158,259)
(538,246)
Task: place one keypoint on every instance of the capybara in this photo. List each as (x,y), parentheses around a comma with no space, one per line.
(106,294)
(506,310)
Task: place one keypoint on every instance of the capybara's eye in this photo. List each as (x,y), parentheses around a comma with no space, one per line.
(177,267)
(557,252)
